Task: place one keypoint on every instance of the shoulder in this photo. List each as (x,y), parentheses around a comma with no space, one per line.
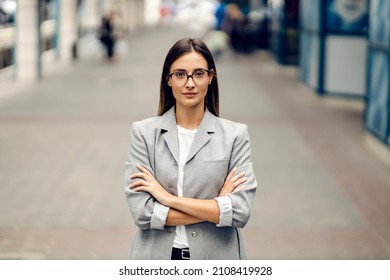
(145,126)
(230,127)
(145,123)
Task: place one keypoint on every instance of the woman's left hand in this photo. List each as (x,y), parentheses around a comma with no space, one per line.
(232,182)
(149,184)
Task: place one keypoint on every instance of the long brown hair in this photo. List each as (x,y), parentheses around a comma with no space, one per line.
(179,49)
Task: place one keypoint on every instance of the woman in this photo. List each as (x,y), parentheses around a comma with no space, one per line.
(189,180)
(107,36)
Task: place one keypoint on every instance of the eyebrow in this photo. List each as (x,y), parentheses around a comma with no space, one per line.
(184,70)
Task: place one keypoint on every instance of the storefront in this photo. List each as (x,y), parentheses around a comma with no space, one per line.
(333,46)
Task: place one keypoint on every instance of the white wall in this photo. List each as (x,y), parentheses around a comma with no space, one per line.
(152,12)
(345,64)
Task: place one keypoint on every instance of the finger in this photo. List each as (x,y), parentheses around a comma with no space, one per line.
(239,182)
(144,170)
(138,183)
(141,189)
(231,173)
(135,184)
(238,176)
(233,185)
(138,175)
(239,188)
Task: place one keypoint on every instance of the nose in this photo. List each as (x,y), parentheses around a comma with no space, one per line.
(190,82)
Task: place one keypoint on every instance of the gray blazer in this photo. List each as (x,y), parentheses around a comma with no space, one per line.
(219,145)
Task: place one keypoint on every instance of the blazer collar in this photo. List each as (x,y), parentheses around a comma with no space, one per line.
(168,126)
(168,121)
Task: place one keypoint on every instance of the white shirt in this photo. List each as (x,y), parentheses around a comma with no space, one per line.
(186,137)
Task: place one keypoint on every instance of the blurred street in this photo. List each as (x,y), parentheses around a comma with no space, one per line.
(323,193)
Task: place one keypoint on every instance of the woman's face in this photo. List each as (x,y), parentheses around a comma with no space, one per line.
(191,92)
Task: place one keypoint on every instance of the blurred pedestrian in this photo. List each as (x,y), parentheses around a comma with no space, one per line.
(233,25)
(220,13)
(107,35)
(189,180)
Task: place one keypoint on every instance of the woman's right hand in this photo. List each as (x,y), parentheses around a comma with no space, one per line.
(232,181)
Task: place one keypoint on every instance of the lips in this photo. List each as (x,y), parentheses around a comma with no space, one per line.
(189,94)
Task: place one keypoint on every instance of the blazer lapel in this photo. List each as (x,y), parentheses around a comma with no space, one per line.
(169,132)
(202,136)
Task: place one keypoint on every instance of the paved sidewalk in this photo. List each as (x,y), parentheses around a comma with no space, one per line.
(63,142)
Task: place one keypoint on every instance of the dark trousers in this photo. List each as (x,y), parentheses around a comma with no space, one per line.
(180,254)
(109,44)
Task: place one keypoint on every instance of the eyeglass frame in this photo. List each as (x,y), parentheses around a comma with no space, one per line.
(188,76)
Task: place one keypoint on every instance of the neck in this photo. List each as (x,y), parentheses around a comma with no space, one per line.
(189,118)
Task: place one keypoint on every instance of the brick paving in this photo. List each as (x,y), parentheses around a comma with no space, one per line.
(63,141)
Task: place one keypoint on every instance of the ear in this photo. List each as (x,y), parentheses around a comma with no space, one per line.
(169,81)
(211,76)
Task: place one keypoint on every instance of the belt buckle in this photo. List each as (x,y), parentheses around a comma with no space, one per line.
(185,254)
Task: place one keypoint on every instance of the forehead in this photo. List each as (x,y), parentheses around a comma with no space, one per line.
(189,61)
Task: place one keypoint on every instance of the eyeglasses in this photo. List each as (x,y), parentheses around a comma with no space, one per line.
(180,78)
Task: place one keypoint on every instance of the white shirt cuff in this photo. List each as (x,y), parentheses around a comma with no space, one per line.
(159,216)
(225,211)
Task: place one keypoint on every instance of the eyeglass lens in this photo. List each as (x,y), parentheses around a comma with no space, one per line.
(180,78)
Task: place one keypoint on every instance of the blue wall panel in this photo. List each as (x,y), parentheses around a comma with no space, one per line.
(377,111)
(309,58)
(310,14)
(306,49)
(377,115)
(310,27)
(379,32)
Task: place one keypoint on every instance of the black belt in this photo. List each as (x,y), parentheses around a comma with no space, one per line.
(180,254)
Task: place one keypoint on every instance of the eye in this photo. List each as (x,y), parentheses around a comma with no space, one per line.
(199,73)
(180,75)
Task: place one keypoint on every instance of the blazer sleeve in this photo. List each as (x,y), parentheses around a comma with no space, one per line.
(242,199)
(146,211)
